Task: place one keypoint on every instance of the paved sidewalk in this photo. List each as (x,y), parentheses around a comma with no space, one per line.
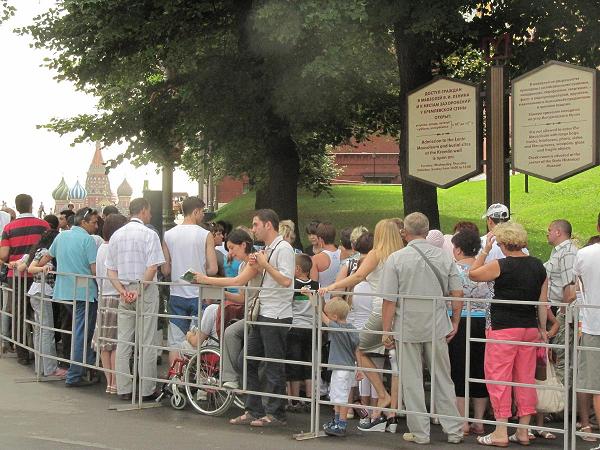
(49,416)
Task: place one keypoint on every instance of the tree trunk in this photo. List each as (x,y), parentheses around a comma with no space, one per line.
(414,69)
(279,191)
(263,199)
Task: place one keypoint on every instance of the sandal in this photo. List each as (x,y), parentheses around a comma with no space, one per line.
(488,441)
(244,419)
(587,429)
(268,421)
(544,434)
(475,430)
(514,438)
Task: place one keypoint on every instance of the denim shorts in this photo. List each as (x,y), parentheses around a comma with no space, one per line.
(181,306)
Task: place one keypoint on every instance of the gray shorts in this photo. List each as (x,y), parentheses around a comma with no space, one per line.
(369,342)
(589,363)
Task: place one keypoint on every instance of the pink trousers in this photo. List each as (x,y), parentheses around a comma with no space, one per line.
(516,363)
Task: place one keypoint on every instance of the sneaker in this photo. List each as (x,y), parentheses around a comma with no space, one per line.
(329,424)
(409,437)
(231,385)
(377,424)
(392,425)
(335,430)
(455,439)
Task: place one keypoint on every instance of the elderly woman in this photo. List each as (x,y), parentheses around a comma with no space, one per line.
(517,277)
(465,247)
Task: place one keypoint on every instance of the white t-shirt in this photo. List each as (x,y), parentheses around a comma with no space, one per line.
(495,253)
(187,247)
(277,304)
(4,220)
(362,305)
(373,279)
(98,240)
(587,266)
(106,287)
(328,276)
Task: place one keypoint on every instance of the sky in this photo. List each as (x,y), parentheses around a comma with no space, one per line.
(34,160)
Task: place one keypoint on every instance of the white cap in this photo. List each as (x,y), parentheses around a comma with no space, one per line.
(497,211)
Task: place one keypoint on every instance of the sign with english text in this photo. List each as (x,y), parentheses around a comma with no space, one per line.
(554,121)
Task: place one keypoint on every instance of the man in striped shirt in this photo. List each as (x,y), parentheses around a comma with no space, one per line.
(17,238)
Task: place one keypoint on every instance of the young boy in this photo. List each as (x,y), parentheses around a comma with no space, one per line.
(299,340)
(342,350)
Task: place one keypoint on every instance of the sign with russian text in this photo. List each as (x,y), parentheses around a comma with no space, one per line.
(554,121)
(444,132)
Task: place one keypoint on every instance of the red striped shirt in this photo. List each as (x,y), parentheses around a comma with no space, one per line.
(20,234)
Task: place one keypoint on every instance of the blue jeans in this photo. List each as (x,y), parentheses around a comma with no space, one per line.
(79,340)
(181,306)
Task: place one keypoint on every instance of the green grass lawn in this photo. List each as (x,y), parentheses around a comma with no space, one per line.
(575,199)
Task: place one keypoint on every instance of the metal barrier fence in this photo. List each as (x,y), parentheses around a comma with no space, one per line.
(199,385)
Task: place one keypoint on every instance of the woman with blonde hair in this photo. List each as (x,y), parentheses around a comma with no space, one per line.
(517,277)
(287,230)
(386,241)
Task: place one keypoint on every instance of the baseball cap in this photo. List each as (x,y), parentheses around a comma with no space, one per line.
(497,211)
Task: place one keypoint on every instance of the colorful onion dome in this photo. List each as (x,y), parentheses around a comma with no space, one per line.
(124,189)
(62,191)
(77,192)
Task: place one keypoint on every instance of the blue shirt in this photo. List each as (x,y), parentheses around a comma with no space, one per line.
(74,251)
(231,270)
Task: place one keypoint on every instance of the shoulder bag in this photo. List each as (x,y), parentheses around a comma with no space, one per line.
(435,270)
(550,400)
(254,303)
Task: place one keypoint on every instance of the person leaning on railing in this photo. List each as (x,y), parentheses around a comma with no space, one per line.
(465,247)
(240,245)
(386,241)
(518,277)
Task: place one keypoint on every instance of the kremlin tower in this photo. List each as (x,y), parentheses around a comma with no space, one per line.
(124,193)
(97,184)
(97,192)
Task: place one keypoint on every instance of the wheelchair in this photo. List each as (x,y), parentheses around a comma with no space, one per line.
(200,368)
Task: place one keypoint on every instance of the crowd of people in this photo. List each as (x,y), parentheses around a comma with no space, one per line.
(404,298)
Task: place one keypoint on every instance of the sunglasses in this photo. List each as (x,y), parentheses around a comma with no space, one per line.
(89,212)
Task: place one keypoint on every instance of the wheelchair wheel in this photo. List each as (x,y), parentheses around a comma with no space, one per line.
(212,402)
(178,401)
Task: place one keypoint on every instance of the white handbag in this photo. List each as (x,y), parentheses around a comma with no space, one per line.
(550,400)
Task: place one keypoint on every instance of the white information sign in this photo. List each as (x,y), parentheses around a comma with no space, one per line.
(554,121)
(444,142)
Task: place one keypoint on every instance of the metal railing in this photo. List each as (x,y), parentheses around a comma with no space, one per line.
(140,350)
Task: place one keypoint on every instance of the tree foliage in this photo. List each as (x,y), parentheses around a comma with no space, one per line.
(7,10)
(263,87)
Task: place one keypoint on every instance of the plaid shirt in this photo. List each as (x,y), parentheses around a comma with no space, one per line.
(132,249)
(38,277)
(559,269)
